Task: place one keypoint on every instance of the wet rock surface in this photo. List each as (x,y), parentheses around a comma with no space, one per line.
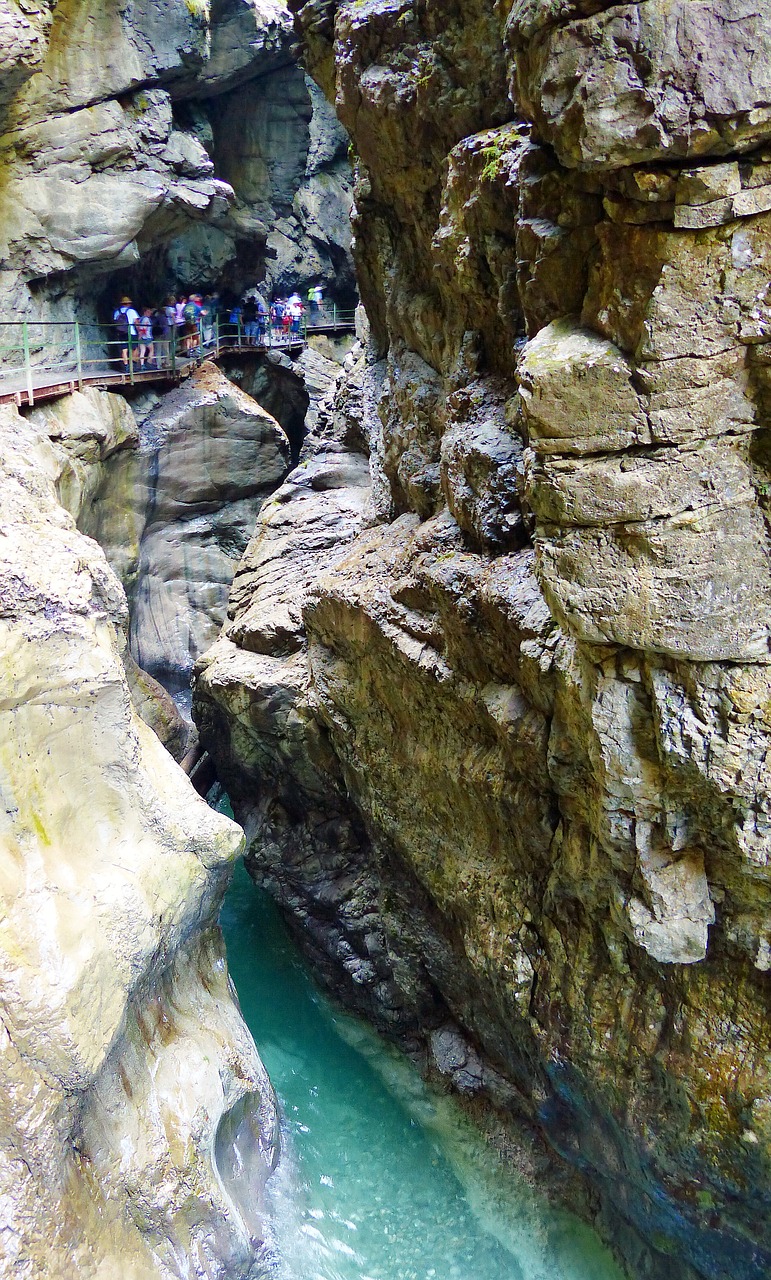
(115,988)
(508,772)
(172,494)
(138,1127)
(210,457)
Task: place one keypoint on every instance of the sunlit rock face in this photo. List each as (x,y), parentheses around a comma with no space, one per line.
(170,488)
(93,440)
(525,730)
(124,1057)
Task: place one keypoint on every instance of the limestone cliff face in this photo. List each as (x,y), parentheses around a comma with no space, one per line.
(121,166)
(524,736)
(253,700)
(125,1066)
(137,1125)
(170,487)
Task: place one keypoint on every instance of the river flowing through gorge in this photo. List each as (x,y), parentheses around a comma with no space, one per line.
(467,608)
(381,1177)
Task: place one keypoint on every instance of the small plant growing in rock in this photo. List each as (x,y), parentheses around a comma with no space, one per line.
(494,157)
(199,9)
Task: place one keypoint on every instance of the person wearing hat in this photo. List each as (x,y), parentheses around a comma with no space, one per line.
(125,318)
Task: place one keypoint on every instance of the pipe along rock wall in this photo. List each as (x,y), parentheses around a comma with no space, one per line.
(492,699)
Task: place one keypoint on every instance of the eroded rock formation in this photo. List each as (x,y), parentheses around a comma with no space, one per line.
(170,487)
(510,776)
(138,1127)
(123,1054)
(123,165)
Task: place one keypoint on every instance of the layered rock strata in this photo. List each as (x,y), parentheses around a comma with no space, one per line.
(127,1072)
(523,792)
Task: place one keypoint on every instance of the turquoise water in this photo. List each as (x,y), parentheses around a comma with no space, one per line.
(381,1178)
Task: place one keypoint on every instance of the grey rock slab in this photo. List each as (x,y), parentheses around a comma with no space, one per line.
(689,77)
(680,412)
(213,444)
(745,204)
(209,457)
(617,489)
(479,469)
(248,38)
(756,199)
(705,185)
(577,393)
(680,585)
(696,217)
(184,574)
(22,47)
(304,528)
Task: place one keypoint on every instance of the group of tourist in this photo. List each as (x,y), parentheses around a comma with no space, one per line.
(193,321)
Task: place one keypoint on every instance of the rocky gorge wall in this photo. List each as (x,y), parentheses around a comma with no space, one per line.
(159,147)
(492,696)
(174,506)
(138,1126)
(170,484)
(125,1062)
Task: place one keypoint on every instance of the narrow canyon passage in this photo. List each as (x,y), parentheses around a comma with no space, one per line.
(466,609)
(381,1178)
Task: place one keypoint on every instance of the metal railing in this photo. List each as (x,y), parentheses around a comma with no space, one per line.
(40,357)
(330,316)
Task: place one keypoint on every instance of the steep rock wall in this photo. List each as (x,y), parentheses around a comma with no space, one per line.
(253,700)
(170,488)
(524,739)
(279,145)
(138,1126)
(123,1054)
(114,119)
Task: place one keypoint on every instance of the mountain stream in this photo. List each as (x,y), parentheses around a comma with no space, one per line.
(381,1177)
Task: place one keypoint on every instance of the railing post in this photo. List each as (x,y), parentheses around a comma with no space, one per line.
(27,364)
(79,355)
(334,315)
(174,350)
(217,333)
(239,328)
(200,339)
(130,354)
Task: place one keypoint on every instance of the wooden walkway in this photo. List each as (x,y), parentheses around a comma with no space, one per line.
(34,383)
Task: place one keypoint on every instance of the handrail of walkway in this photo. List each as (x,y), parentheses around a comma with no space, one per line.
(43,359)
